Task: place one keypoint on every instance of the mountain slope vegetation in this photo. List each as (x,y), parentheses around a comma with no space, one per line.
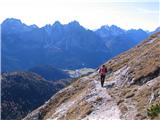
(23,92)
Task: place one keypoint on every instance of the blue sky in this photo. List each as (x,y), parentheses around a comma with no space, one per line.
(91,14)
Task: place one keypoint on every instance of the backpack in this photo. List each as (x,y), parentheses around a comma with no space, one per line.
(103,71)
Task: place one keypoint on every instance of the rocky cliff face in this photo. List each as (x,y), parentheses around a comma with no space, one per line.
(131,86)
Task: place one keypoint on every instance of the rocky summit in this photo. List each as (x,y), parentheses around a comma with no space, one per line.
(131,87)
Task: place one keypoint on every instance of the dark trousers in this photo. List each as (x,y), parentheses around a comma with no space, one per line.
(102,79)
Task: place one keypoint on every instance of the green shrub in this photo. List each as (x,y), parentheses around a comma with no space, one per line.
(153,111)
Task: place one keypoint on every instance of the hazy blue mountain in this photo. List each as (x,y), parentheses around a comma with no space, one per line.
(13,26)
(49,73)
(118,40)
(65,46)
(109,31)
(156,30)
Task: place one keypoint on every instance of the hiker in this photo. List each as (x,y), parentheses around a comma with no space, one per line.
(102,72)
(77,73)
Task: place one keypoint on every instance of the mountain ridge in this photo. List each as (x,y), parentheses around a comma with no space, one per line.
(24,91)
(131,87)
(63,46)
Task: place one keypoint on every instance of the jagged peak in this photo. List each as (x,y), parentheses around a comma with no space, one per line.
(74,25)
(105,27)
(57,23)
(157,29)
(13,25)
(74,22)
(34,26)
(12,21)
(48,26)
(114,26)
(111,27)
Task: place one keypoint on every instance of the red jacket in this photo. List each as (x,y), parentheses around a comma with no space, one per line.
(103,71)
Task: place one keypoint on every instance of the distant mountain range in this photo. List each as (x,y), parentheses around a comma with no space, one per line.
(118,40)
(65,46)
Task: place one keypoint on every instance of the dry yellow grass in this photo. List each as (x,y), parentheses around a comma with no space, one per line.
(144,65)
(78,112)
(142,60)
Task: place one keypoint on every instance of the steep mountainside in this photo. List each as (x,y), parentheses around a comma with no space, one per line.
(24,91)
(131,87)
(62,46)
(49,73)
